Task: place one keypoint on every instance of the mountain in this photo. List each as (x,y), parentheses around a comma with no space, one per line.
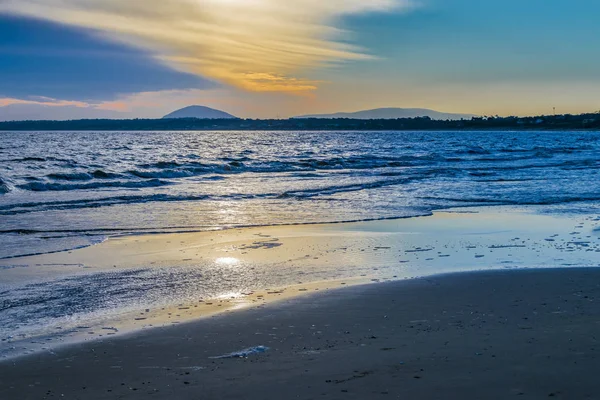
(393,113)
(200,112)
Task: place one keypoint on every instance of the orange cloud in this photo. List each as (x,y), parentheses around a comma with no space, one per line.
(117,105)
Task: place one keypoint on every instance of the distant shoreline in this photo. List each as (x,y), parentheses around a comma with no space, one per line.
(583,122)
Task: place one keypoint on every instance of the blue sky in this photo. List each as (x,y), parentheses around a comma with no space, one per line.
(267,59)
(469,41)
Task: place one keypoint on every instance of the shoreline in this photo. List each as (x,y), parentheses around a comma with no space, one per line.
(183,230)
(244,263)
(137,322)
(493,334)
(125,233)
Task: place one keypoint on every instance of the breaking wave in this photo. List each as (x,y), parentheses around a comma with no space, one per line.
(47,186)
(4,187)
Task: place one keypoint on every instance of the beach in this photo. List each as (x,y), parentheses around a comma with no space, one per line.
(141,282)
(455,305)
(256,200)
(530,334)
(348,264)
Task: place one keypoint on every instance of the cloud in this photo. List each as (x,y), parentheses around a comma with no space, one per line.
(42,101)
(152,104)
(158,103)
(257,45)
(155,104)
(42,108)
(19,111)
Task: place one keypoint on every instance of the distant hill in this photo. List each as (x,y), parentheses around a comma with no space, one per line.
(200,112)
(589,122)
(393,113)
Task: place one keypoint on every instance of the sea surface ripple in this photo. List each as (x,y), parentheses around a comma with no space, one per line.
(63,190)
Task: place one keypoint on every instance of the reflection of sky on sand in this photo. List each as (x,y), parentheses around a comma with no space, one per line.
(176,275)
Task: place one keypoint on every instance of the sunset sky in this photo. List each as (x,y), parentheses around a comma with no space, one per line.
(65,59)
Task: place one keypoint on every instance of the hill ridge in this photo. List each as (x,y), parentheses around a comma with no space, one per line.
(391,113)
(200,112)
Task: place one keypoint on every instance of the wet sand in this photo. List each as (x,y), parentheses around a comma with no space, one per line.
(525,334)
(143,282)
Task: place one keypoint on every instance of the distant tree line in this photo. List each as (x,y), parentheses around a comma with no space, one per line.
(544,122)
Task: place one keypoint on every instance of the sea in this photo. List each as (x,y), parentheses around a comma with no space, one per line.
(65,190)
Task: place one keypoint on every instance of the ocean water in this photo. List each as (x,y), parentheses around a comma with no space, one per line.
(63,190)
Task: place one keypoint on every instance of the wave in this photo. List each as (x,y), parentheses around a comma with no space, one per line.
(38,159)
(162,164)
(481,162)
(77,176)
(45,186)
(562,165)
(175,169)
(164,174)
(490,162)
(23,208)
(170,169)
(4,187)
(474,150)
(370,161)
(235,159)
(27,159)
(482,173)
(100,174)
(550,200)
(83,176)
(542,149)
(329,190)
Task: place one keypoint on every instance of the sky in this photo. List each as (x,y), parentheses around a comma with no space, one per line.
(67,59)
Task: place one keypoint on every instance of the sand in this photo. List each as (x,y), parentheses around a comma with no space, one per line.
(526,334)
(179,277)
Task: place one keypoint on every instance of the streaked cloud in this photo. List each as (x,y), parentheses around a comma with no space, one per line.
(144,104)
(42,101)
(158,103)
(257,45)
(155,104)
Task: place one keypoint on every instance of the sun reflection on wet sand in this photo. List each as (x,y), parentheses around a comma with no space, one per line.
(227,261)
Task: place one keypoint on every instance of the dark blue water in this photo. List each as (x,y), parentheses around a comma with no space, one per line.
(68,189)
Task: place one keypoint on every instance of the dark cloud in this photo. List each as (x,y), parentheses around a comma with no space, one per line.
(38,58)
